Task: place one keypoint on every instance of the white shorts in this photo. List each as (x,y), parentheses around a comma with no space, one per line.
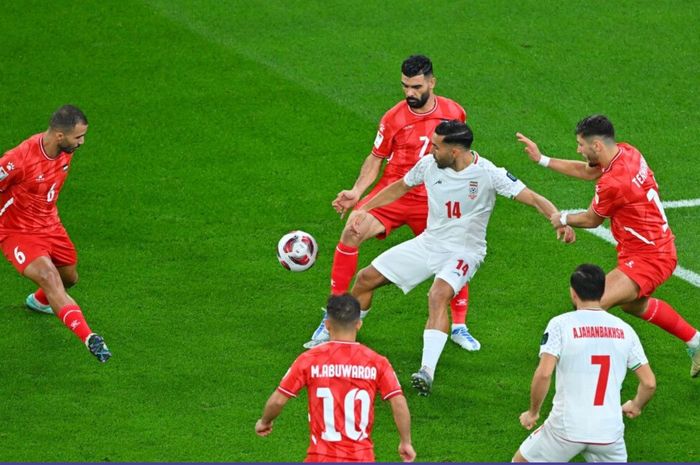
(412,262)
(543,445)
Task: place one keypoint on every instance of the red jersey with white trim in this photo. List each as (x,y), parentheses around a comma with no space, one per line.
(342,379)
(30,183)
(628,194)
(404,138)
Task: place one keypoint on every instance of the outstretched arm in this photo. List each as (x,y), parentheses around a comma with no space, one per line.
(645,390)
(347,199)
(573,168)
(588,219)
(387,195)
(548,210)
(402,418)
(273,408)
(538,390)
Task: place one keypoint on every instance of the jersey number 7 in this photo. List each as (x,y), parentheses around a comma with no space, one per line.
(602,386)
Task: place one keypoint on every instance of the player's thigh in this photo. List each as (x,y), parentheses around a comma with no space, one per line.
(21,250)
(543,446)
(615,452)
(455,268)
(405,265)
(44,273)
(63,253)
(69,274)
(370,227)
(619,289)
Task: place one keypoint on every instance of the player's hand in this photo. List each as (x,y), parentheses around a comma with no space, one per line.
(555,220)
(528,420)
(566,234)
(530,147)
(358,218)
(262,428)
(344,201)
(406,452)
(630,409)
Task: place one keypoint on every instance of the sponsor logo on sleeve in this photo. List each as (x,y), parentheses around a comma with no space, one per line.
(545,338)
(511,177)
(3,173)
(379,139)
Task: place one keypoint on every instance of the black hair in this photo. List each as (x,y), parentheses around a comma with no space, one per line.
(455,132)
(343,309)
(595,125)
(588,281)
(66,117)
(415,65)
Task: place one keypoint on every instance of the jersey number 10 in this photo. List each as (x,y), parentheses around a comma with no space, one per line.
(354,395)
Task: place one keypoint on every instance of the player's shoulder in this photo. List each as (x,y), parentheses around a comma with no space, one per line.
(398,112)
(26,147)
(449,108)
(371,354)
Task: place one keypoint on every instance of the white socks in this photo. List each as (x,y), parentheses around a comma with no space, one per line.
(433,343)
(694,342)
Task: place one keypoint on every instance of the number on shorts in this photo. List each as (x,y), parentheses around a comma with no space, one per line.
(602,386)
(351,431)
(462,265)
(19,256)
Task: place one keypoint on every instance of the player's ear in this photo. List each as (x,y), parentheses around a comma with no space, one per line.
(358,325)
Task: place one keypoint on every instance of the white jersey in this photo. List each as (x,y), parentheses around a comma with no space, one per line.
(594,349)
(460,203)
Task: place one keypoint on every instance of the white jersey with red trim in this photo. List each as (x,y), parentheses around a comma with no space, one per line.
(460,203)
(594,351)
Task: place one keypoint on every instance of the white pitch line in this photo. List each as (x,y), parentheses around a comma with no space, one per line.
(683,273)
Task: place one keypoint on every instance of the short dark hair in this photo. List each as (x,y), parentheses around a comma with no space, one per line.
(455,132)
(343,309)
(588,281)
(66,117)
(595,125)
(415,65)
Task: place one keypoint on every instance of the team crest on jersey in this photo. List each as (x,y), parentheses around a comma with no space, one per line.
(3,173)
(473,189)
(10,166)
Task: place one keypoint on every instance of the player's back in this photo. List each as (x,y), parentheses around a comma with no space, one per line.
(597,348)
(628,194)
(342,379)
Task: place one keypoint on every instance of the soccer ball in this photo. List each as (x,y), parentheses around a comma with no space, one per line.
(297,251)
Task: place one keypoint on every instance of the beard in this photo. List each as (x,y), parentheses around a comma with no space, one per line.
(68,148)
(418,103)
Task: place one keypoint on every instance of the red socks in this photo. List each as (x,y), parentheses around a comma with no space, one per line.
(665,317)
(73,318)
(41,297)
(343,269)
(460,306)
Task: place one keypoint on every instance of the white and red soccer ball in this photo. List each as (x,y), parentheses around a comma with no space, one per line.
(297,251)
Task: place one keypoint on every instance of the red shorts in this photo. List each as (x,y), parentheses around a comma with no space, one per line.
(366,456)
(648,271)
(22,249)
(406,210)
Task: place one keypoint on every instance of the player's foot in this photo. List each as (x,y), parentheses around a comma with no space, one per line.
(695,362)
(422,382)
(97,347)
(321,334)
(37,306)
(460,336)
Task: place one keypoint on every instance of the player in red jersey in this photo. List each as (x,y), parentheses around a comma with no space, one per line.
(403,139)
(342,378)
(627,193)
(32,237)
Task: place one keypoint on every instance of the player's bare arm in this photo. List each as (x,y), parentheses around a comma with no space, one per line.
(402,418)
(393,191)
(541,381)
(547,209)
(645,391)
(272,409)
(346,199)
(573,168)
(588,219)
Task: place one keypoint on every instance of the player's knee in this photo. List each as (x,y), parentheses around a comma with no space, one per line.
(70,279)
(349,238)
(368,278)
(48,278)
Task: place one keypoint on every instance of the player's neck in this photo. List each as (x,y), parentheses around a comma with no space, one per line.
(428,107)
(343,336)
(588,305)
(463,162)
(50,145)
(608,155)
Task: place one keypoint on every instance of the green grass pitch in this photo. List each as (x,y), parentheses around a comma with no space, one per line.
(216,127)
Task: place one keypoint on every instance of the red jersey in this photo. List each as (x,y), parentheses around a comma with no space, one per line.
(30,182)
(342,379)
(627,193)
(404,137)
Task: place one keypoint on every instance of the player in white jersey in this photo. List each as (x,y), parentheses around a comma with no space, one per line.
(462,188)
(591,350)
